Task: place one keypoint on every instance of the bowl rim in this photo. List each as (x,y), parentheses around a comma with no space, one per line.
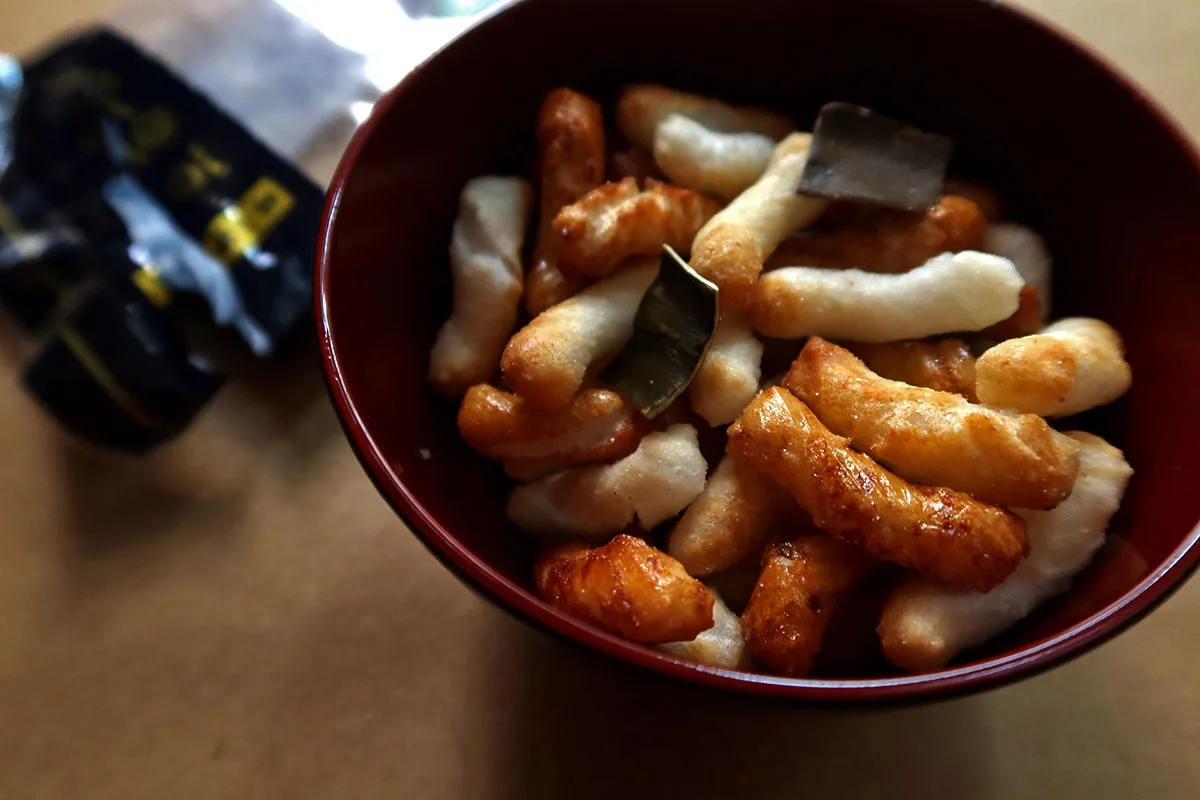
(1039,656)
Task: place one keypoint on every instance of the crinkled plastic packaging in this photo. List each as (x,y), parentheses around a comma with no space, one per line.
(181,153)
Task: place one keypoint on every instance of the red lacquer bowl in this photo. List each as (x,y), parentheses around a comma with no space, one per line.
(1076,150)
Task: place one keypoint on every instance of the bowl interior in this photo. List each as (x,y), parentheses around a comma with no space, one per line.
(1075,152)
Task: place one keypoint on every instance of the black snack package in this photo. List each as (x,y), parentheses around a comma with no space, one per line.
(98,113)
(176,155)
(118,372)
(122,188)
(40,256)
(46,249)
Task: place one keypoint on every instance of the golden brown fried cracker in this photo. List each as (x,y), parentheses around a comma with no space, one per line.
(546,361)
(598,425)
(933,437)
(570,135)
(947,535)
(616,221)
(802,583)
(926,624)
(946,365)
(890,243)
(625,587)
(1073,365)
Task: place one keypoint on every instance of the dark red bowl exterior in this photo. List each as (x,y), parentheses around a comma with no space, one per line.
(1080,153)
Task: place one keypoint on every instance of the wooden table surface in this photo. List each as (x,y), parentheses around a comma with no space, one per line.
(240,615)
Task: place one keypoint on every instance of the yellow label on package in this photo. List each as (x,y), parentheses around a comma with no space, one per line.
(240,227)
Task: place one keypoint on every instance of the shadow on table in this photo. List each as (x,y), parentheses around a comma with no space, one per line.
(282,403)
(271,419)
(595,728)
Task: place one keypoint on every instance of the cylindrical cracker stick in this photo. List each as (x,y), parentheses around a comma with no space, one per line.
(947,535)
(946,365)
(598,425)
(962,292)
(649,486)
(570,135)
(933,437)
(545,362)
(485,265)
(925,624)
(733,517)
(695,157)
(1071,366)
(731,248)
(890,243)
(728,377)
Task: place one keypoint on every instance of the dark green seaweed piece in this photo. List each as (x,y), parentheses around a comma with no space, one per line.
(672,331)
(857,154)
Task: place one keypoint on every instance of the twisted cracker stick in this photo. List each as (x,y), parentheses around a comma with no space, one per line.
(962,292)
(485,265)
(545,362)
(570,135)
(1075,364)
(947,535)
(802,583)
(625,587)
(642,108)
(731,248)
(933,437)
(733,517)
(695,157)
(728,377)
(598,425)
(926,624)
(723,645)
(616,221)
(653,484)
(892,243)
(946,365)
